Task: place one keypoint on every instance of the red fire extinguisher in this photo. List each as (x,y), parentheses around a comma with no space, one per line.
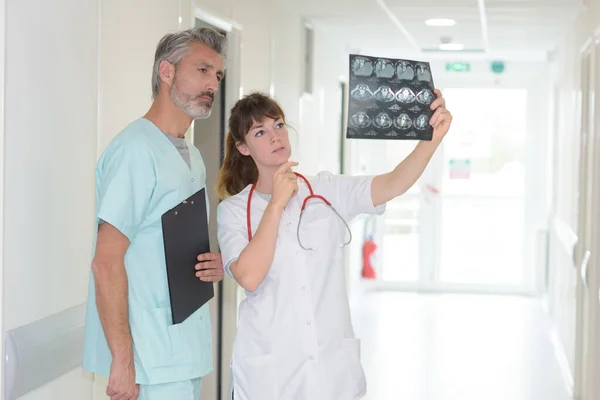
(368,250)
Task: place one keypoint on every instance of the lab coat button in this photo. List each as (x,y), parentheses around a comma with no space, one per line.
(289,224)
(193,179)
(307,322)
(303,288)
(312,358)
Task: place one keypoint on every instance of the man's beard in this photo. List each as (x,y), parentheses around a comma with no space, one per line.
(191,106)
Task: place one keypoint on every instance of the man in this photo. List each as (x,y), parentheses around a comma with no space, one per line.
(146,170)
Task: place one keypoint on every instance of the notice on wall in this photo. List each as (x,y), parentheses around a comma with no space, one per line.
(460,168)
(389,99)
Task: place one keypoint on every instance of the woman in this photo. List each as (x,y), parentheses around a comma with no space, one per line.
(295,338)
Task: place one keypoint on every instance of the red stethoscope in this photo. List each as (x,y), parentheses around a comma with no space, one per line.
(304,203)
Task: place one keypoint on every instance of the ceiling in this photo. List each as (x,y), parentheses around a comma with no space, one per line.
(485,27)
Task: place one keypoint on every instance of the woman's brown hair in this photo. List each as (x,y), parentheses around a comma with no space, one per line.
(238,170)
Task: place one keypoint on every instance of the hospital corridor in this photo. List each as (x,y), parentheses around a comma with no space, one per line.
(481,281)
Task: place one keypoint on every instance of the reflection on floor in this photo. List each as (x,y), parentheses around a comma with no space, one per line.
(456,347)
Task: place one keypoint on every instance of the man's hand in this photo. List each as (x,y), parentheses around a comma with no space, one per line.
(210,267)
(121,383)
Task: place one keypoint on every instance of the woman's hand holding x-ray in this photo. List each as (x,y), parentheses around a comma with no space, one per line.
(441,117)
(285,185)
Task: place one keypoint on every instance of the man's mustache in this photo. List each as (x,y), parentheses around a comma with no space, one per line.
(206,94)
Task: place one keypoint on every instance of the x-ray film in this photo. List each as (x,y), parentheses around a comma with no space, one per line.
(389,99)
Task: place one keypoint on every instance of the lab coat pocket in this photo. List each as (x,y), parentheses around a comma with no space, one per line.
(254,378)
(353,354)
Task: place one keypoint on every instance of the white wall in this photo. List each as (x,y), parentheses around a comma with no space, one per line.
(255,17)
(130,31)
(51,101)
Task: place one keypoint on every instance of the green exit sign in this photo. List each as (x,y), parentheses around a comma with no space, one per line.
(458,67)
(497,67)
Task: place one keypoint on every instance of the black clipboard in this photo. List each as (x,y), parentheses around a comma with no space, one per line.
(185,236)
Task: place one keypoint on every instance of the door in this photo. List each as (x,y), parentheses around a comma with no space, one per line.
(587,346)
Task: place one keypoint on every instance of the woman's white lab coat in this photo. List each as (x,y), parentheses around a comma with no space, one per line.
(294,338)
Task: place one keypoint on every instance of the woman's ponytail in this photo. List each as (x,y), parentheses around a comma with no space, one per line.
(237,171)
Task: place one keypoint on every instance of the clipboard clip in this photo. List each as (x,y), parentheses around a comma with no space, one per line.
(185,202)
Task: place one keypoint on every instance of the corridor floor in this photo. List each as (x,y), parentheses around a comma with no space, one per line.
(456,347)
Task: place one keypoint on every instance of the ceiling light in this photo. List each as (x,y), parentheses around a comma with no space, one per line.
(451,46)
(440,22)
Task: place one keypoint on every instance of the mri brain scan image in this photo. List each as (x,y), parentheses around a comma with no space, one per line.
(385,94)
(425,96)
(423,73)
(389,98)
(405,95)
(382,121)
(362,93)
(362,66)
(403,121)
(360,120)
(422,122)
(384,68)
(405,71)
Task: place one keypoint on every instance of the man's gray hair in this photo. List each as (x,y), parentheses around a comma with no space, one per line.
(174,46)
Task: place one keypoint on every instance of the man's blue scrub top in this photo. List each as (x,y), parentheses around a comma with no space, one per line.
(139,177)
